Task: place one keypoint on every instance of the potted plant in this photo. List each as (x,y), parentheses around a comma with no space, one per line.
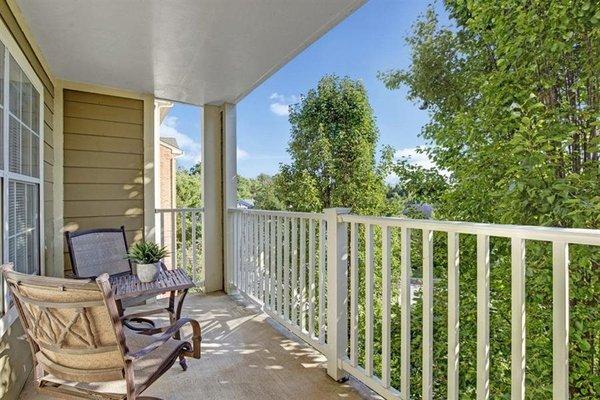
(147,256)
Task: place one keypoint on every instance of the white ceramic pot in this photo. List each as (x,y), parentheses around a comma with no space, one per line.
(147,272)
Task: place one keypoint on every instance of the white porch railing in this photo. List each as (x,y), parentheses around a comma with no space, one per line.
(304,269)
(270,248)
(180,231)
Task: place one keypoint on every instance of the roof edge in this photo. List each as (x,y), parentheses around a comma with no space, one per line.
(339,17)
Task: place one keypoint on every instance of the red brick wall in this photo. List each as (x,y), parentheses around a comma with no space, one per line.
(167,194)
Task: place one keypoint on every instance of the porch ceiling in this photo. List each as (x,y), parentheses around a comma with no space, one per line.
(194,51)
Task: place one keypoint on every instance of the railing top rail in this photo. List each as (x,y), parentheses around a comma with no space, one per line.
(289,214)
(542,233)
(163,210)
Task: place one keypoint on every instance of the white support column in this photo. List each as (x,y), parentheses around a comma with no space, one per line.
(151,172)
(229,181)
(219,192)
(337,291)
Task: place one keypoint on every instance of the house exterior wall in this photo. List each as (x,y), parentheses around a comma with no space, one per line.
(15,357)
(103,163)
(167,195)
(167,178)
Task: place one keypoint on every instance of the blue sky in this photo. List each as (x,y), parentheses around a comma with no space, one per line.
(370,40)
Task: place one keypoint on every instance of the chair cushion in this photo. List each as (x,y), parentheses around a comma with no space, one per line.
(145,368)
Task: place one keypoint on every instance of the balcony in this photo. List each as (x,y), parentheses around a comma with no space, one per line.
(291,303)
(317,294)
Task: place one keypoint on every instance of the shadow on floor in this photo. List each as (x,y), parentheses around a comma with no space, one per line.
(246,355)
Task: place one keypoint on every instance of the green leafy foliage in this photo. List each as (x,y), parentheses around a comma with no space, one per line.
(189,187)
(332,146)
(146,253)
(262,190)
(512,91)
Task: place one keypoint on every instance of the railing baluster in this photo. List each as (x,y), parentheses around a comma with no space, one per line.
(286,270)
(241,243)
(162,229)
(369,299)
(518,319)
(272,263)
(560,320)
(267,263)
(302,273)
(427,314)
(257,257)
(294,239)
(354,294)
(405,298)
(256,246)
(311,277)
(173,241)
(251,264)
(193,213)
(238,250)
(260,279)
(322,274)
(386,277)
(184,262)
(245,242)
(483,317)
(265,260)
(249,254)
(453,315)
(279,266)
(244,235)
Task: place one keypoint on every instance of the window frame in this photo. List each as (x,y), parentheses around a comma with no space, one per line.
(8,312)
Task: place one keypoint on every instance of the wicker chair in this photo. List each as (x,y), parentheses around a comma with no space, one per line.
(98,251)
(79,346)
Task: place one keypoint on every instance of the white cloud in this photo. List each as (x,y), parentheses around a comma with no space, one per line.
(192,150)
(283,110)
(413,157)
(281,103)
(242,154)
(277,96)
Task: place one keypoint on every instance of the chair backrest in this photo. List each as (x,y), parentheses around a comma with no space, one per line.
(97,251)
(73,326)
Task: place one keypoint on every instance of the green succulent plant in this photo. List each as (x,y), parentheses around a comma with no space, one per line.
(146,253)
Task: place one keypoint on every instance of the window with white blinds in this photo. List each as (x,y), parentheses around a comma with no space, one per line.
(20,166)
(21,163)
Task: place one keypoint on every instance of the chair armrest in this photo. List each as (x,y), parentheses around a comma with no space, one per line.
(168,334)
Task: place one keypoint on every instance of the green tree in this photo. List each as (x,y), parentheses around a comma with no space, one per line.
(266,196)
(512,91)
(244,188)
(333,140)
(189,187)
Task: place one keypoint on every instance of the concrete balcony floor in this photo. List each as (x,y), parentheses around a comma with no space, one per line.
(245,355)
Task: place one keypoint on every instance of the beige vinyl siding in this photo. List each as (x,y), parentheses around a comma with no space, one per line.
(15,355)
(103,163)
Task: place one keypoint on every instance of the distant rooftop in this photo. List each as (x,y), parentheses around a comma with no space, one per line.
(171,142)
